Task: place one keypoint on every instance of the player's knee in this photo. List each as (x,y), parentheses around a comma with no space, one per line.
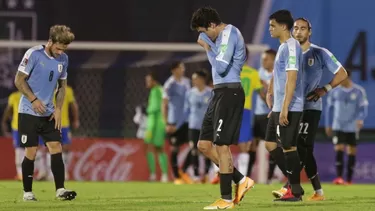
(288,147)
(30,152)
(194,152)
(351,150)
(244,147)
(66,148)
(270,146)
(222,149)
(158,149)
(204,146)
(339,147)
(174,149)
(54,147)
(192,145)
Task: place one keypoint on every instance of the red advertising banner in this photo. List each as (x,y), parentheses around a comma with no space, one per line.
(101,159)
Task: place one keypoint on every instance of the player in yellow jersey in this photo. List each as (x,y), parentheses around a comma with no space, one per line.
(69,104)
(11,113)
(251,83)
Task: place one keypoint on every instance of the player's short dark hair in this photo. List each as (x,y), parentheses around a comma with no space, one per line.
(61,34)
(283,17)
(175,65)
(202,73)
(309,26)
(270,52)
(154,75)
(203,17)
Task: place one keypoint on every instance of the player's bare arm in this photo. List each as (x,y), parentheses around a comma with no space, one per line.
(75,114)
(60,95)
(269,99)
(339,77)
(8,111)
(290,86)
(24,88)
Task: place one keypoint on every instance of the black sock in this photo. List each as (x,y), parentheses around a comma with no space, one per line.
(252,158)
(207,165)
(58,170)
(278,156)
(27,174)
(226,186)
(339,163)
(174,163)
(351,166)
(293,170)
(187,162)
(311,169)
(271,168)
(195,161)
(237,176)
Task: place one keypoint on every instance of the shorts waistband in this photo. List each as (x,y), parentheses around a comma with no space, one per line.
(228,85)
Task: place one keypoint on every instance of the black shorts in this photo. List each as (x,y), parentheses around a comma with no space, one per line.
(194,137)
(260,126)
(222,121)
(308,127)
(346,138)
(180,136)
(31,127)
(287,135)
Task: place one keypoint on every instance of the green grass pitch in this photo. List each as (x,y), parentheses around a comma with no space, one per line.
(156,196)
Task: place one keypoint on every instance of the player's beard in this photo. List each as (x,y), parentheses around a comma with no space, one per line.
(303,41)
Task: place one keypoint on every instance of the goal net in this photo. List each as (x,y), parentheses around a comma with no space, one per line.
(109,78)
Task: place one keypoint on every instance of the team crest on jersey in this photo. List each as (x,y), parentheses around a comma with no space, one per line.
(24,62)
(311,62)
(353,96)
(60,68)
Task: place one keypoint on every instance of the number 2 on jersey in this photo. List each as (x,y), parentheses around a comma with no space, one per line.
(220,123)
(246,85)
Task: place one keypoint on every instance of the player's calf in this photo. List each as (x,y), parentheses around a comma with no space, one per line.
(28,172)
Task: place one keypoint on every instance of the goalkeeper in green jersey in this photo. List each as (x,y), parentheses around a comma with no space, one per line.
(155,132)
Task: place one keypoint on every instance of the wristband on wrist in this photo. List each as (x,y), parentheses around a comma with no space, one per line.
(327,87)
(34,100)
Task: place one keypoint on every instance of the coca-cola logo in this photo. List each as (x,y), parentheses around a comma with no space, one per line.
(104,161)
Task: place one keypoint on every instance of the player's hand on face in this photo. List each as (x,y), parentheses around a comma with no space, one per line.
(269,100)
(359,124)
(57,116)
(283,119)
(203,44)
(316,94)
(329,131)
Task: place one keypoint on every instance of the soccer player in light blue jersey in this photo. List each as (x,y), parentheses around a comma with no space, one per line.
(175,89)
(196,103)
(225,48)
(288,100)
(349,104)
(315,60)
(41,69)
